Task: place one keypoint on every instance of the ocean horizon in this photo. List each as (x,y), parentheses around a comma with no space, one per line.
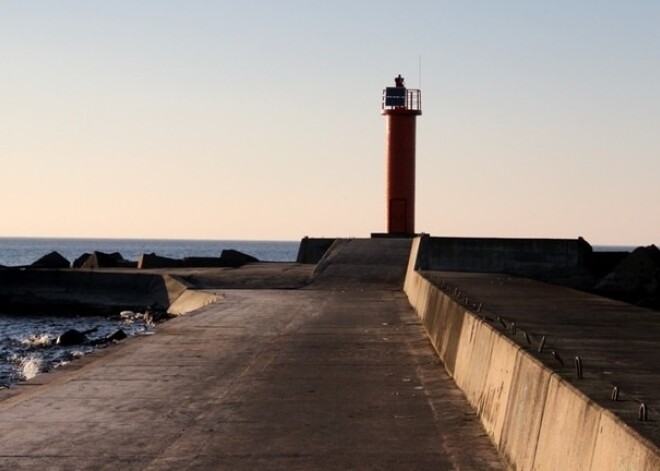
(22,251)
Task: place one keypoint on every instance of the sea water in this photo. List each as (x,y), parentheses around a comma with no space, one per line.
(23,251)
(27,342)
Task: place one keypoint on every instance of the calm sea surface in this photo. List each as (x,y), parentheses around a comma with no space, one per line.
(26,341)
(24,251)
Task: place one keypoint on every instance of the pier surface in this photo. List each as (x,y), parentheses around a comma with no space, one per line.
(618,344)
(338,375)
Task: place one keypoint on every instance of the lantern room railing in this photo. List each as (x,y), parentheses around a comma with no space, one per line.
(402,98)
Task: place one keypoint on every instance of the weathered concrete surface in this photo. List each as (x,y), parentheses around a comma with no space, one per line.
(84,292)
(336,376)
(367,263)
(263,275)
(616,342)
(109,291)
(536,410)
(560,261)
(313,249)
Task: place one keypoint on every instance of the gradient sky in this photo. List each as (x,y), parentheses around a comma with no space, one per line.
(261,119)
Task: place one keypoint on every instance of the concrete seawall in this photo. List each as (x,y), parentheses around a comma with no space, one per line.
(536,418)
(85,292)
(337,375)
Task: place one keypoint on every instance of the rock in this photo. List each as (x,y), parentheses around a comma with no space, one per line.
(234,258)
(52,260)
(107,260)
(602,263)
(71,337)
(636,277)
(153,317)
(151,260)
(78,262)
(127,315)
(116,335)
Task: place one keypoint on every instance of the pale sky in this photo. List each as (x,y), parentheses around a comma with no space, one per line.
(261,119)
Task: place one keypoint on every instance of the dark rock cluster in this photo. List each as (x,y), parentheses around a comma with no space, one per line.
(76,337)
(228,258)
(631,277)
(51,260)
(103,260)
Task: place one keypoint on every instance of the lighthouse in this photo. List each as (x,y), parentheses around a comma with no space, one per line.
(400,106)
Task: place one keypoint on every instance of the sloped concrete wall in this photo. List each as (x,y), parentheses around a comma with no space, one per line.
(90,292)
(535,418)
(191,300)
(312,249)
(523,257)
(558,261)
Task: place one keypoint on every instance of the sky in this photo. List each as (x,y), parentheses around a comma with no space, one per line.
(261,120)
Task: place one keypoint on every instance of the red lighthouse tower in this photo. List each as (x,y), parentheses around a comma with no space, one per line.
(401,106)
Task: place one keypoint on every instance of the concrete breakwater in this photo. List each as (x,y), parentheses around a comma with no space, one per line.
(93,292)
(530,403)
(534,415)
(337,375)
(70,303)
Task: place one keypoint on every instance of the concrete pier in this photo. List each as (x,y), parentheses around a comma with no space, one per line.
(512,344)
(367,360)
(339,375)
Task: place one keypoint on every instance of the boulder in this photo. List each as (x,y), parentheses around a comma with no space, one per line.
(107,260)
(71,337)
(602,263)
(51,260)
(234,258)
(228,258)
(116,336)
(636,277)
(155,316)
(78,262)
(151,260)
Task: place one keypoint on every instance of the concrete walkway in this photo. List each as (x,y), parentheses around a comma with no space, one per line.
(336,376)
(618,343)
